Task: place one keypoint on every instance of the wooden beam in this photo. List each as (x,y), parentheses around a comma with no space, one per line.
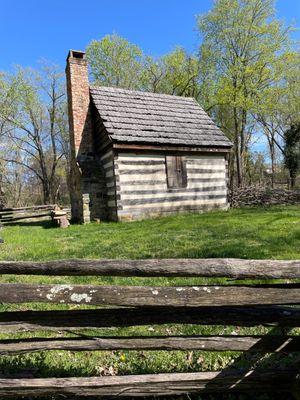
(153,385)
(143,296)
(46,206)
(170,149)
(13,321)
(6,214)
(18,218)
(270,344)
(219,267)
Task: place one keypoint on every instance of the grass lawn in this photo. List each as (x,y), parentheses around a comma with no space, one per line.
(247,233)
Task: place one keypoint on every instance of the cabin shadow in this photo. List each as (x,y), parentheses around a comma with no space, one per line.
(44,224)
(276,354)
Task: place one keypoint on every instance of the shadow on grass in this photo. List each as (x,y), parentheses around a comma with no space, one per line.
(254,359)
(43,224)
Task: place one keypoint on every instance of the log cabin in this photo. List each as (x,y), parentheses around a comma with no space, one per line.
(137,154)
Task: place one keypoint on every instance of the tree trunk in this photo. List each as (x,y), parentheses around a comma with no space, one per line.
(271,143)
(238,155)
(292,180)
(46,193)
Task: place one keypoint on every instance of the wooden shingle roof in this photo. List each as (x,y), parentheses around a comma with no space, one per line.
(135,117)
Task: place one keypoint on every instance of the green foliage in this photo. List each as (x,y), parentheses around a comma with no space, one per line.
(175,73)
(245,48)
(244,40)
(114,61)
(33,121)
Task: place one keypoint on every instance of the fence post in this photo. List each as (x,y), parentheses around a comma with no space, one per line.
(86,215)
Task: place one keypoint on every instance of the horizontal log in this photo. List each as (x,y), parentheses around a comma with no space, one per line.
(139,183)
(219,267)
(162,184)
(136,161)
(182,192)
(209,170)
(142,210)
(143,296)
(7,214)
(16,218)
(153,385)
(46,206)
(194,199)
(270,344)
(184,205)
(148,171)
(124,317)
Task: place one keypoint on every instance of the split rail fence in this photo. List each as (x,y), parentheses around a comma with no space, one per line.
(8,215)
(36,213)
(232,303)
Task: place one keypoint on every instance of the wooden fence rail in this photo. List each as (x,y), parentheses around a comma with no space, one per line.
(273,316)
(9,215)
(210,268)
(36,213)
(242,304)
(152,385)
(143,296)
(275,344)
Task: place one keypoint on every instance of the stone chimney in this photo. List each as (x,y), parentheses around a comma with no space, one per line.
(80,127)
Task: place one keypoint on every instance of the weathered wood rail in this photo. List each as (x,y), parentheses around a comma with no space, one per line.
(8,215)
(241,304)
(36,213)
(212,268)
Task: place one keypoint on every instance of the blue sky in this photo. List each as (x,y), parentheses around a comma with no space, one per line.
(34,29)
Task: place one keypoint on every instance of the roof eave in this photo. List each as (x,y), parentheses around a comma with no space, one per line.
(123,146)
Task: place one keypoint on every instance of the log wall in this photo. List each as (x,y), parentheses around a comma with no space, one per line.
(108,164)
(142,191)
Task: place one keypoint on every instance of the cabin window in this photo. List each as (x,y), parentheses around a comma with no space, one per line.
(176,172)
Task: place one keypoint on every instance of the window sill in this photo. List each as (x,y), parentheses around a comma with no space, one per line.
(176,189)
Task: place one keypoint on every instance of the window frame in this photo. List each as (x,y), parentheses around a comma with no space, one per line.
(176,172)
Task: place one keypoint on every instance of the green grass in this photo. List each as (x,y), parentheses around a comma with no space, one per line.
(247,233)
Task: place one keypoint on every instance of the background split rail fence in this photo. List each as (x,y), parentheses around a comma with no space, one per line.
(35,213)
(227,304)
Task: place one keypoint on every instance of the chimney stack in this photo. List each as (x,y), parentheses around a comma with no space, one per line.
(80,128)
(78,101)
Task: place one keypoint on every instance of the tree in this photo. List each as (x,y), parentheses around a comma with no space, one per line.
(114,61)
(292,152)
(35,124)
(281,106)
(245,43)
(175,73)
